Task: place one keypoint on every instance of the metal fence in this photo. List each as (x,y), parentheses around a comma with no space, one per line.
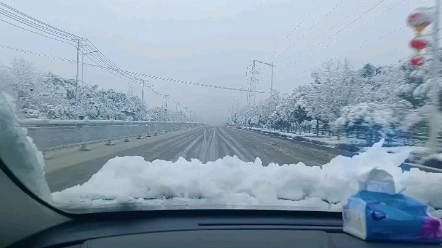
(53,134)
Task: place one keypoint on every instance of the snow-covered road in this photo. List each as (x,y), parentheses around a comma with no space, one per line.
(205,144)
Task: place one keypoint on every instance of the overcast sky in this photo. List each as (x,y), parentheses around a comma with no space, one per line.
(211,42)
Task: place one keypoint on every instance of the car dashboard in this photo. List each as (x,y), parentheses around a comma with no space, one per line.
(202,229)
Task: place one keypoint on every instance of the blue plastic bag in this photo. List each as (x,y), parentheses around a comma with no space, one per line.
(372,214)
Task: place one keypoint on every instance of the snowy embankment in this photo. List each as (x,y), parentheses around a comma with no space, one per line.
(417,152)
(230,182)
(324,140)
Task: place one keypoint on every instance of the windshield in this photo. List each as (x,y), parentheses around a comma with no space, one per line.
(219,104)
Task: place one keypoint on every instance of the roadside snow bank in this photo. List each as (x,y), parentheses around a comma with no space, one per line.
(237,184)
(325,140)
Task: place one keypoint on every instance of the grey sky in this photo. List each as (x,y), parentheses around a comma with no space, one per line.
(209,42)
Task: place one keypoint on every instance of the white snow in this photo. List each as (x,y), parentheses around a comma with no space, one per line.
(329,141)
(230,182)
(333,140)
(436,156)
(418,150)
(18,151)
(48,96)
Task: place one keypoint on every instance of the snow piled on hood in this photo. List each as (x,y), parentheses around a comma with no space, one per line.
(237,184)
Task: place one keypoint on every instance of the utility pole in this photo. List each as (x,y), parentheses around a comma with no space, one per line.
(271,81)
(166,97)
(251,96)
(436,89)
(78,68)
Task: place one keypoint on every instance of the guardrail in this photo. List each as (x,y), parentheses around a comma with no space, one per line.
(53,134)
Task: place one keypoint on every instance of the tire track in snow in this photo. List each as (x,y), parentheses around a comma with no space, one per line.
(203,146)
(238,144)
(207,152)
(172,146)
(290,151)
(152,151)
(212,154)
(82,172)
(186,150)
(239,151)
(223,148)
(263,150)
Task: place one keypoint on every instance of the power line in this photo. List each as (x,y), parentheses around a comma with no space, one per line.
(129,73)
(50,30)
(281,27)
(299,24)
(293,62)
(121,76)
(74,37)
(188,82)
(373,41)
(123,72)
(110,68)
(339,22)
(99,58)
(68,37)
(33,25)
(356,49)
(36,32)
(336,24)
(108,64)
(300,37)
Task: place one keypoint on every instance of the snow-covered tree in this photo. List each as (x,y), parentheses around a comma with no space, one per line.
(50,96)
(370,102)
